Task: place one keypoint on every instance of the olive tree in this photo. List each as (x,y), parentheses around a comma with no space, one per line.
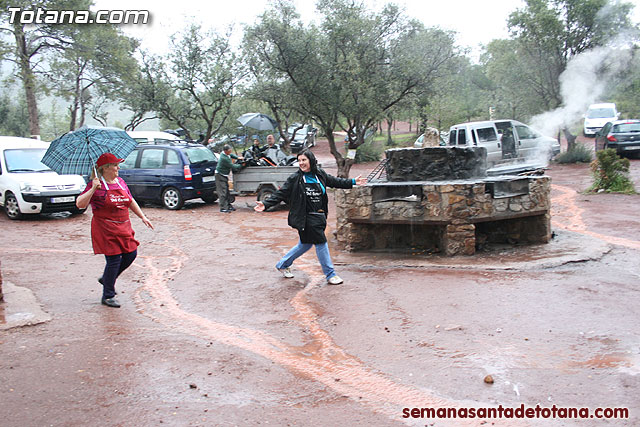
(351,70)
(551,33)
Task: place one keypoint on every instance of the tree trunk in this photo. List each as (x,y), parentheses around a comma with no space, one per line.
(571,139)
(28,79)
(389,140)
(344,164)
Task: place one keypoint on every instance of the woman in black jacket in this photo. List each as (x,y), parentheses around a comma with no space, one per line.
(305,191)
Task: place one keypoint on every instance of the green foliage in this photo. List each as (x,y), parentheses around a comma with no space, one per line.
(368,152)
(578,154)
(14,119)
(611,173)
(55,122)
(93,70)
(349,72)
(546,35)
(193,86)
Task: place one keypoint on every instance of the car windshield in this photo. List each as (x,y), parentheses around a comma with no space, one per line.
(25,160)
(600,113)
(626,127)
(199,155)
(525,132)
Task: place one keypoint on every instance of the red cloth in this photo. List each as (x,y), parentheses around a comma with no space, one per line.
(97,200)
(111,232)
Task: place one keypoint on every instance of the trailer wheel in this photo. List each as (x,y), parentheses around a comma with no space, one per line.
(265,193)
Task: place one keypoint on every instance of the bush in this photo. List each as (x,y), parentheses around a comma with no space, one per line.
(368,152)
(578,154)
(610,173)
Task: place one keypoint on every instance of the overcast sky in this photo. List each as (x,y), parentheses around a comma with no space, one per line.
(476,22)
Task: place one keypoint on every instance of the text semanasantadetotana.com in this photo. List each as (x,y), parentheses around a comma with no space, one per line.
(42,16)
(518,412)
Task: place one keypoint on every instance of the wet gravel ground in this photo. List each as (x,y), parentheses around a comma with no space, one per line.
(210,334)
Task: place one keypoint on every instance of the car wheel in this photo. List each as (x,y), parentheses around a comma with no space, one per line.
(172,199)
(265,193)
(209,197)
(11,207)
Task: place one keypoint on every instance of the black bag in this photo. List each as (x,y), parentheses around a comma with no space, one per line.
(314,227)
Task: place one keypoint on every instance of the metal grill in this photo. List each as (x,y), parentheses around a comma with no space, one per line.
(379,173)
(58,187)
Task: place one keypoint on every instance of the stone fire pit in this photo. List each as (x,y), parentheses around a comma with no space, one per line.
(440,199)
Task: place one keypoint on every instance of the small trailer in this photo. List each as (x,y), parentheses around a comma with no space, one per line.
(261,180)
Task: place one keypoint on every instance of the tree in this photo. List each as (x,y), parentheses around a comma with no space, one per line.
(193,86)
(33,41)
(350,72)
(14,118)
(277,78)
(550,33)
(90,72)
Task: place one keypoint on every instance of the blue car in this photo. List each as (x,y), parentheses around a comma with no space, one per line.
(170,173)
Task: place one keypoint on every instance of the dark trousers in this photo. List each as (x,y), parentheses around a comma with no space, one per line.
(116,264)
(222,188)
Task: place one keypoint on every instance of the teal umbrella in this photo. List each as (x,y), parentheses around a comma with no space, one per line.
(77,152)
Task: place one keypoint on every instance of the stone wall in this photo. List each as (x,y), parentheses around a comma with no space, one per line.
(436,163)
(454,215)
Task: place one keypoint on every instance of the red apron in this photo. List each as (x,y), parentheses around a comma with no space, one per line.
(111,232)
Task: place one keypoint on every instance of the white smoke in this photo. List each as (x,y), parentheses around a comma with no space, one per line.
(583,83)
(588,75)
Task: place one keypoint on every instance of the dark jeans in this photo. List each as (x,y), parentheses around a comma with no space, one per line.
(116,264)
(222,188)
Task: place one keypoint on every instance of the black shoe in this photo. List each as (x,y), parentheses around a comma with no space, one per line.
(231,208)
(111,302)
(102,283)
(225,210)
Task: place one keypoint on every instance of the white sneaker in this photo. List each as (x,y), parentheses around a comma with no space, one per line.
(286,272)
(335,280)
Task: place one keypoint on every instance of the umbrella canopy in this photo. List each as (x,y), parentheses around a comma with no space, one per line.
(77,152)
(257,121)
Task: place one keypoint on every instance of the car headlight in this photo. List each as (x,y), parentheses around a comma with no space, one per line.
(29,188)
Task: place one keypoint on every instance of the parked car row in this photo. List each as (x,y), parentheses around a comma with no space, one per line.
(168,173)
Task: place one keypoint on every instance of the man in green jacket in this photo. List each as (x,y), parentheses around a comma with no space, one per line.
(225,166)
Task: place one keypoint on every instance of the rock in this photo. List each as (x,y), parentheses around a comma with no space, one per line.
(488,379)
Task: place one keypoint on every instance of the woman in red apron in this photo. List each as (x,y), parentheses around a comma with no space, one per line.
(111,232)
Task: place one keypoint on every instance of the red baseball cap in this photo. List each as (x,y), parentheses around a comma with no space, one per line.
(107,158)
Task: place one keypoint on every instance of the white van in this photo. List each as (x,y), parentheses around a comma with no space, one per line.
(599,115)
(152,136)
(27,186)
(505,140)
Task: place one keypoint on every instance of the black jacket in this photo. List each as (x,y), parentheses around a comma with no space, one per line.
(292,192)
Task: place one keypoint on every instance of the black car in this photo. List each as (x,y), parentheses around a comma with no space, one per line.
(305,137)
(623,135)
(170,173)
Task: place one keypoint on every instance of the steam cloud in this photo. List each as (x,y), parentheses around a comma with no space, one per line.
(583,83)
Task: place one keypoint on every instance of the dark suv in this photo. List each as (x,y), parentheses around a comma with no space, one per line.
(170,173)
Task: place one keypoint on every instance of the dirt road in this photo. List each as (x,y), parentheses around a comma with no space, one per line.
(211,334)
